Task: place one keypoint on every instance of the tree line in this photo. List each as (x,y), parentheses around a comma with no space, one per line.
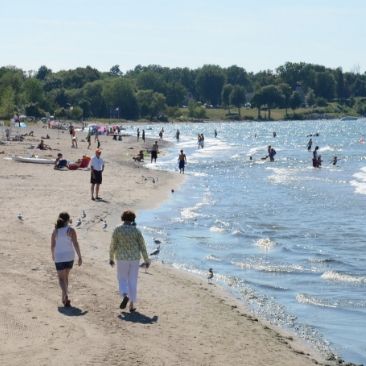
(156,92)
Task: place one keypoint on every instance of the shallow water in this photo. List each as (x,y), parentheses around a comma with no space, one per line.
(289,239)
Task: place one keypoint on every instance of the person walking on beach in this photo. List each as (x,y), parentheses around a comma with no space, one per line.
(143,136)
(88,139)
(64,244)
(154,152)
(127,246)
(182,161)
(97,167)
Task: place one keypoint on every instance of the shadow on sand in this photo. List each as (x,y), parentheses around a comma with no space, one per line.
(137,317)
(71,311)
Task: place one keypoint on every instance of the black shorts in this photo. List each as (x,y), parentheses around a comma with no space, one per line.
(64,265)
(154,154)
(96,177)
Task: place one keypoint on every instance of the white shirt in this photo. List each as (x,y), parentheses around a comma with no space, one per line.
(97,163)
(64,249)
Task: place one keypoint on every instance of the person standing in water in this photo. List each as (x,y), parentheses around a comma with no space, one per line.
(310,144)
(154,152)
(138,134)
(64,244)
(315,157)
(271,153)
(182,161)
(143,135)
(177,134)
(215,133)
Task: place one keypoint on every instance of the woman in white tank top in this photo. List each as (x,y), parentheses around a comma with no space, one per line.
(64,244)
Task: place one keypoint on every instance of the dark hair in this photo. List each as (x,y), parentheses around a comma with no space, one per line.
(128,216)
(62,220)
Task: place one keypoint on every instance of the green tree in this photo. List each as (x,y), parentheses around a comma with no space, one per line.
(33,91)
(225,95)
(286,91)
(118,93)
(237,97)
(310,98)
(7,102)
(295,100)
(175,94)
(43,72)
(325,85)
(270,96)
(236,75)
(115,71)
(151,104)
(209,81)
(195,110)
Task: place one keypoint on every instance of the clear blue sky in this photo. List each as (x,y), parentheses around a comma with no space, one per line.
(256,34)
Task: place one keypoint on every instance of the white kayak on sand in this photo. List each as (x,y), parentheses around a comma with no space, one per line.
(33,159)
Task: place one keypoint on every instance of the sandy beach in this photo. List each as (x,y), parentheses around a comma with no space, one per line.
(181,319)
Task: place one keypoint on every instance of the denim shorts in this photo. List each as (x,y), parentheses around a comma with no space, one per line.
(64,265)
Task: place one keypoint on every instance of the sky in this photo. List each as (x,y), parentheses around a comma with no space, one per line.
(257,34)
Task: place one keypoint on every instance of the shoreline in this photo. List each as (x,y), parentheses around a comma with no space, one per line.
(181,320)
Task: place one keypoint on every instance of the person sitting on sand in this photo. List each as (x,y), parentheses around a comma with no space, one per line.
(139,157)
(60,162)
(43,146)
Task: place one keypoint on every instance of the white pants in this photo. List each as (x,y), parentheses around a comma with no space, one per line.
(127,273)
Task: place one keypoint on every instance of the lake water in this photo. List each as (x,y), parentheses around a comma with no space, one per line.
(286,238)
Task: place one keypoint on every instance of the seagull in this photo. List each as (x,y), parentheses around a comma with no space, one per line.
(156,251)
(20,216)
(105,225)
(157,241)
(78,223)
(83,215)
(210,275)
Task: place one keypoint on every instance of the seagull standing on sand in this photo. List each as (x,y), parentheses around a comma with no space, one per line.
(78,223)
(83,215)
(156,251)
(105,225)
(210,275)
(20,217)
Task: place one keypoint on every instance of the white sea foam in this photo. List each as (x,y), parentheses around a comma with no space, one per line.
(326,148)
(359,183)
(343,277)
(312,300)
(265,243)
(212,258)
(284,268)
(217,229)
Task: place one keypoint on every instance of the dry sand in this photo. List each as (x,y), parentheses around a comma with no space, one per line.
(181,320)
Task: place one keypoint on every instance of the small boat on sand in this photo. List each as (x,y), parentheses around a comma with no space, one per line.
(33,159)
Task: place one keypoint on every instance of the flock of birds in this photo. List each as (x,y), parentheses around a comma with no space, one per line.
(154,253)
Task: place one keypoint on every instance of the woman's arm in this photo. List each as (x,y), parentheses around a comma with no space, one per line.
(142,247)
(74,240)
(53,244)
(112,249)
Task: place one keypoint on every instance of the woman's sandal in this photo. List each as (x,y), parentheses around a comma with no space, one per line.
(124,302)
(132,310)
